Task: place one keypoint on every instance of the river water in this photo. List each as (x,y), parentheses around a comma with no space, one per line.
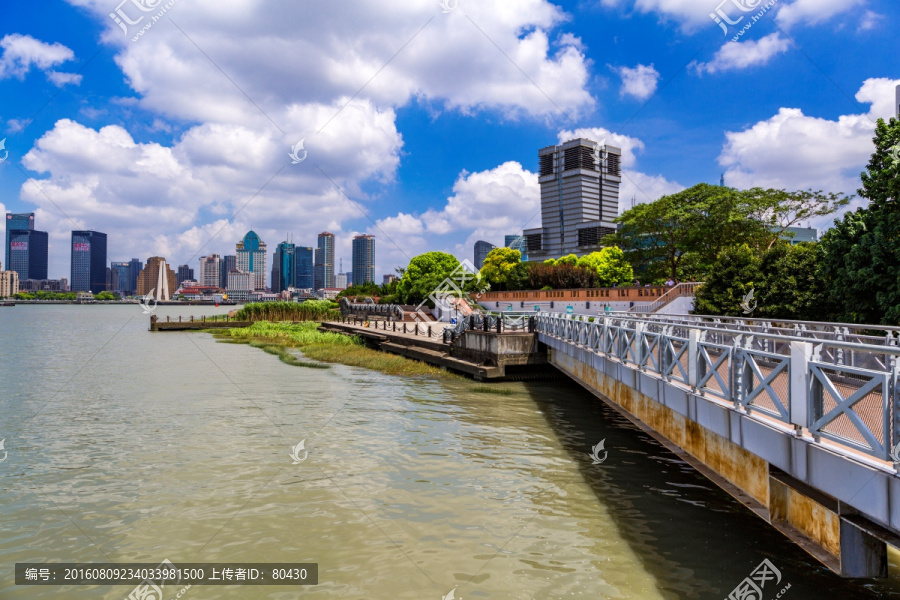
(130,446)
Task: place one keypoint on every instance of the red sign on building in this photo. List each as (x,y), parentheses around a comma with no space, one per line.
(81,247)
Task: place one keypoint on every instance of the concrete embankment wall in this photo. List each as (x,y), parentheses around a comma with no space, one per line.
(774,473)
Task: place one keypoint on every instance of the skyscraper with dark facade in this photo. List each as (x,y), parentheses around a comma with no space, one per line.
(284,271)
(324,270)
(363,259)
(135,266)
(184,273)
(27,253)
(120,278)
(304,277)
(482,249)
(227,264)
(17,221)
(88,261)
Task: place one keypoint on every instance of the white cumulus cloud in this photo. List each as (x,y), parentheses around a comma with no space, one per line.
(639,82)
(742,55)
(22,52)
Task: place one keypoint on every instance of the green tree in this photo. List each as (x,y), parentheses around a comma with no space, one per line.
(701,221)
(104,296)
(424,274)
(610,266)
(736,272)
(791,288)
(860,265)
(503,269)
(568,259)
(779,209)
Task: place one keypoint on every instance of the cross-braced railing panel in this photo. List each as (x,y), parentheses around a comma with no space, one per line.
(714,369)
(851,406)
(765,383)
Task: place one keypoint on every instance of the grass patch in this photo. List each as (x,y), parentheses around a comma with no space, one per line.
(326,347)
(487,389)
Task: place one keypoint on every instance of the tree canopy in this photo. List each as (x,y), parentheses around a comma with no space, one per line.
(503,269)
(610,266)
(424,274)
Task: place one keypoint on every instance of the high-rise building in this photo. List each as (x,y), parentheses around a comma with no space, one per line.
(251,258)
(88,261)
(18,221)
(210,272)
(228,263)
(324,270)
(135,266)
(363,259)
(120,278)
(27,253)
(304,271)
(579,199)
(284,269)
(389,279)
(184,273)
(482,249)
(157,279)
(341,281)
(516,242)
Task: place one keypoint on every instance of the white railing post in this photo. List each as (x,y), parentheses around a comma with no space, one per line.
(639,344)
(799,398)
(694,357)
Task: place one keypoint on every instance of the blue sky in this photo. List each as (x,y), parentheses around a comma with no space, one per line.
(422,122)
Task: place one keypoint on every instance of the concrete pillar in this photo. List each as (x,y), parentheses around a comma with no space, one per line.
(862,554)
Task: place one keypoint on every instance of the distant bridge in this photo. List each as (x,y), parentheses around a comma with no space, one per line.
(798,420)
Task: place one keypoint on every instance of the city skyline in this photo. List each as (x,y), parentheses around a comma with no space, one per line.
(132,147)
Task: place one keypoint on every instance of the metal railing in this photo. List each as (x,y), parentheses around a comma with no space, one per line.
(394,311)
(839,390)
(681,290)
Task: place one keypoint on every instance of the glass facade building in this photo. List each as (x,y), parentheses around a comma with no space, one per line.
(88,261)
(482,249)
(17,221)
(120,278)
(324,269)
(227,264)
(27,253)
(363,260)
(303,263)
(283,267)
(251,258)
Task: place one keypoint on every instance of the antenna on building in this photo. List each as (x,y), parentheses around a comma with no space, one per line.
(722,180)
(342,265)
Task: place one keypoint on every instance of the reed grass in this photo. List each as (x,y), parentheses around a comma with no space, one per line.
(487,389)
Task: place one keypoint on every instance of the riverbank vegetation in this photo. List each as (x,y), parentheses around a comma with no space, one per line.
(311,310)
(326,347)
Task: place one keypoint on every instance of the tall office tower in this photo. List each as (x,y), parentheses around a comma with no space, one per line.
(363,259)
(251,258)
(284,271)
(210,272)
(135,266)
(184,273)
(324,271)
(516,242)
(27,253)
(18,221)
(88,261)
(304,273)
(341,281)
(482,249)
(227,265)
(158,278)
(121,278)
(579,199)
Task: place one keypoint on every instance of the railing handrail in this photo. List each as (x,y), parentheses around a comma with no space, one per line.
(857,326)
(680,290)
